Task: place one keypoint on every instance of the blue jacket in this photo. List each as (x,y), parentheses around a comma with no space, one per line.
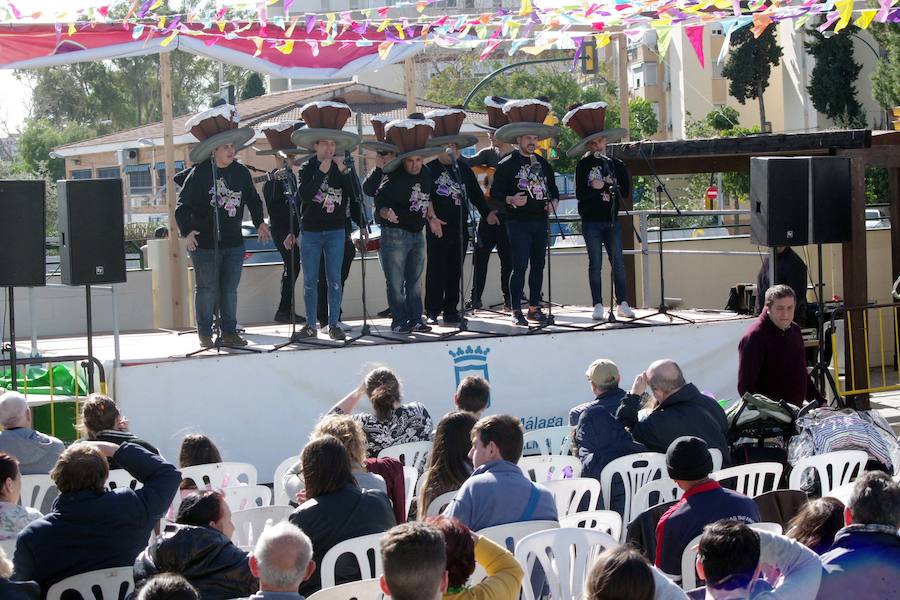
(864,561)
(498,493)
(610,400)
(91,530)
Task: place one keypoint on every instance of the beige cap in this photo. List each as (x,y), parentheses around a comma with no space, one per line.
(603,372)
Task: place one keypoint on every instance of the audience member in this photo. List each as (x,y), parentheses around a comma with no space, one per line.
(282,560)
(622,573)
(681,409)
(200,550)
(689,464)
(473,394)
(414,558)
(196,449)
(168,586)
(449,465)
(15,590)
(336,509)
(393,422)
(864,561)
(101,421)
(13,516)
(603,375)
(464,549)
(348,431)
(37,452)
(817,523)
(498,492)
(731,557)
(97,529)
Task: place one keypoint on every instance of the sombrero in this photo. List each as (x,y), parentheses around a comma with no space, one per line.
(216,127)
(279,137)
(410,136)
(589,122)
(526,117)
(447,123)
(325,120)
(379,144)
(493,105)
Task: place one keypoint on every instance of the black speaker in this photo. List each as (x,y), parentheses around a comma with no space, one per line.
(22,233)
(91,231)
(799,200)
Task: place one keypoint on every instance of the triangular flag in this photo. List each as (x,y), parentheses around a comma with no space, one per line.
(695,37)
(760,22)
(526,8)
(663,37)
(729,26)
(865,18)
(384,48)
(603,39)
(845,9)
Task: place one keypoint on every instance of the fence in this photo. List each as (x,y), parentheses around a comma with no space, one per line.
(852,327)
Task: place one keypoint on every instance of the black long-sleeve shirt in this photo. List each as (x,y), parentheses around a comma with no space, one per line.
(324,198)
(603,204)
(409,196)
(446,192)
(373,181)
(279,208)
(234,189)
(515,174)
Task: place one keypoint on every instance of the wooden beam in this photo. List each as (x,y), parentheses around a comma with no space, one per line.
(894,208)
(624,119)
(856,286)
(683,166)
(175,248)
(409,84)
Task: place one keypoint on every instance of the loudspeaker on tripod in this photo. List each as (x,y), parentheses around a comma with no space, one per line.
(23,251)
(91,231)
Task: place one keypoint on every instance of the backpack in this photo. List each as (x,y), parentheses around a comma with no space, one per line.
(759,417)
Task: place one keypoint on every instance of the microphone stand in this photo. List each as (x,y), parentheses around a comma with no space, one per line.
(550,208)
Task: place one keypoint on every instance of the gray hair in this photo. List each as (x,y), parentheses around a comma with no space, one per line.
(777,292)
(875,500)
(13,409)
(666,376)
(275,548)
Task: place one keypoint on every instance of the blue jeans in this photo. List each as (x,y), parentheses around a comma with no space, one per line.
(312,245)
(403,261)
(596,235)
(528,243)
(228,264)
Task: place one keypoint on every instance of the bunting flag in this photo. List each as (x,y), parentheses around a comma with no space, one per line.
(694,34)
(663,37)
(729,26)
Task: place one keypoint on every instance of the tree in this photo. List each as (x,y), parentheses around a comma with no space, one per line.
(253,87)
(886,79)
(723,119)
(38,138)
(749,66)
(832,86)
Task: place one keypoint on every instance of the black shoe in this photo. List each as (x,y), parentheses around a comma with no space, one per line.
(385,313)
(421,327)
(474,304)
(337,334)
(305,333)
(537,315)
(206,341)
(405,328)
(284,316)
(451,318)
(519,319)
(431,319)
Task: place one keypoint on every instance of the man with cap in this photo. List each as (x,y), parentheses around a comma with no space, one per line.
(325,193)
(601,184)
(603,375)
(526,183)
(689,464)
(217,185)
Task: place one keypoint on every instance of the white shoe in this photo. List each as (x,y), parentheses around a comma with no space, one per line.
(599,313)
(345,326)
(624,311)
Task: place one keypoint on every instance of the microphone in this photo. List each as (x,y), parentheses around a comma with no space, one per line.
(281,154)
(535,167)
(348,159)
(449,151)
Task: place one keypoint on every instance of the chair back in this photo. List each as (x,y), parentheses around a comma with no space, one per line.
(367,589)
(438,505)
(751,479)
(541,469)
(716,455)
(508,535)
(218,476)
(834,468)
(365,549)
(565,555)
(569,493)
(689,556)
(653,493)
(548,440)
(635,471)
(410,477)
(411,454)
(38,492)
(607,521)
(768,527)
(120,478)
(281,497)
(249,523)
(103,584)
(247,496)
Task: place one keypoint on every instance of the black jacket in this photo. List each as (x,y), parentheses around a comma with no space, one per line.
(515,174)
(325,199)
(373,181)
(235,190)
(603,204)
(342,515)
(120,437)
(446,193)
(19,590)
(686,412)
(202,555)
(91,530)
(409,196)
(279,209)
(789,270)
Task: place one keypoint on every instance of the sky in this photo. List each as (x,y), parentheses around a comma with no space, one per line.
(14,103)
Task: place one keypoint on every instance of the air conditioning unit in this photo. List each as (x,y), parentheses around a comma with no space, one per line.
(128,156)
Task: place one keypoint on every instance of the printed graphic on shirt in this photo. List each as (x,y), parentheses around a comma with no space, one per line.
(328,197)
(228,199)
(418,200)
(532,183)
(446,186)
(596,174)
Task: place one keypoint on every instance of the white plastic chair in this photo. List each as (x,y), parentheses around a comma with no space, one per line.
(438,505)
(249,523)
(834,468)
(689,556)
(547,468)
(635,471)
(410,476)
(549,440)
(248,496)
(36,490)
(359,547)
(281,497)
(752,479)
(565,556)
(217,476)
(775,528)
(367,589)
(607,521)
(508,536)
(411,454)
(113,584)
(653,493)
(716,455)
(568,494)
(120,478)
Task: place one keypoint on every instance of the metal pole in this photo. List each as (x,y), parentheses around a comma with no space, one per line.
(115,311)
(165,84)
(12,339)
(720,199)
(624,120)
(493,74)
(32,323)
(645,261)
(90,339)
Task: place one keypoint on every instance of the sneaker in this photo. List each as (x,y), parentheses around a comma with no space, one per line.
(451,318)
(624,311)
(284,316)
(599,313)
(345,326)
(507,307)
(206,341)
(337,334)
(385,313)
(233,339)
(474,304)
(536,315)
(421,327)
(431,319)
(306,333)
(404,328)
(519,319)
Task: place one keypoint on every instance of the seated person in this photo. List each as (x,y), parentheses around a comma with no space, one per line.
(732,556)
(15,590)
(200,550)
(473,395)
(498,492)
(865,556)
(603,375)
(689,464)
(102,421)
(168,586)
(37,452)
(817,523)
(623,573)
(414,557)
(282,560)
(97,529)
(196,449)
(336,509)
(13,516)
(449,465)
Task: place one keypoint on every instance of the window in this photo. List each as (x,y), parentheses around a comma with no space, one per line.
(139,181)
(717,69)
(643,74)
(161,170)
(108,172)
(655,107)
(716,30)
(81,174)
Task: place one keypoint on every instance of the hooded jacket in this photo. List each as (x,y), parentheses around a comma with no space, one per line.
(864,559)
(37,453)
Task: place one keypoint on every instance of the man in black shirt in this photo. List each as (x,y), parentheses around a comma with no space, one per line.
(790,270)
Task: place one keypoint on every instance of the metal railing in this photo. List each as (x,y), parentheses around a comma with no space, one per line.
(851,326)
